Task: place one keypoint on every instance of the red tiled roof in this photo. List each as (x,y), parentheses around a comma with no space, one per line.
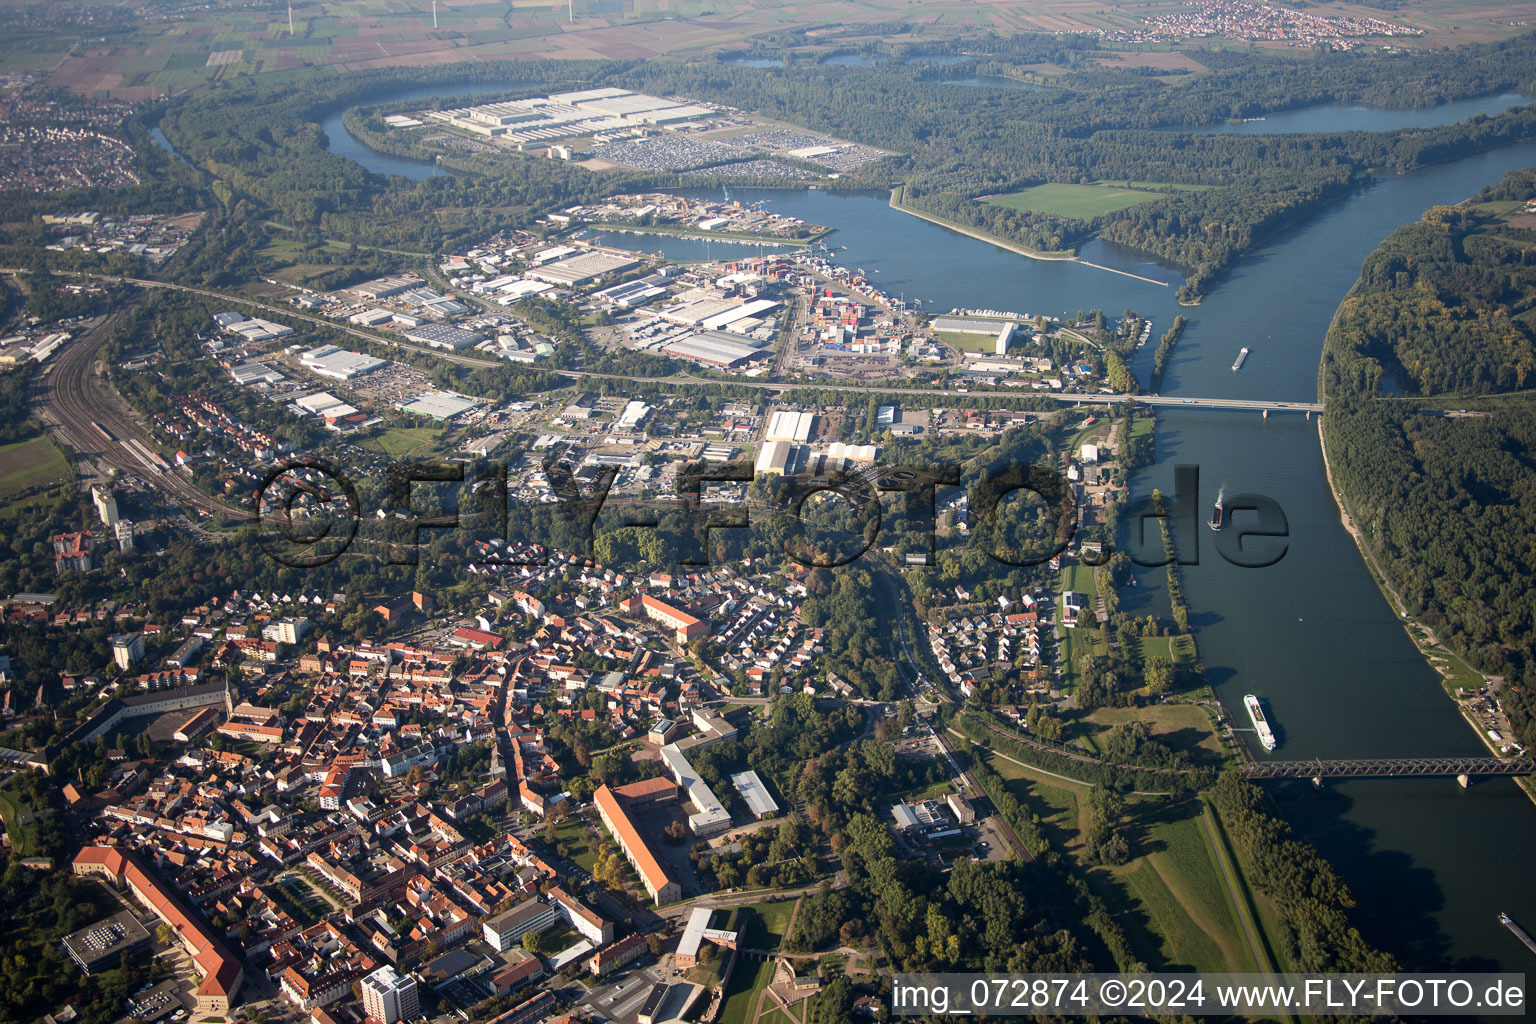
(221,970)
(649,867)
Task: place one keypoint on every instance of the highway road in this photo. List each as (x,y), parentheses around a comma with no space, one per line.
(1065,398)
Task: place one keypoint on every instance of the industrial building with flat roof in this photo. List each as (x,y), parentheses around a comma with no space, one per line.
(715,314)
(325,405)
(338,363)
(776,457)
(438,405)
(786,458)
(966,325)
(752,790)
(250,328)
(635,107)
(256,373)
(712,349)
(789,425)
(443,336)
(384,287)
(578,270)
(630,293)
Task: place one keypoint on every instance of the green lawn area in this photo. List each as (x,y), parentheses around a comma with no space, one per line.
(406,442)
(708,974)
(1055,801)
(1454,672)
(1171,899)
(1498,208)
(1078,577)
(916,793)
(770,923)
(1177,886)
(967,342)
(1254,908)
(1082,201)
(1154,184)
(31,463)
(1185,727)
(1095,433)
(572,833)
(23,840)
(1081,638)
(1177,649)
(748,979)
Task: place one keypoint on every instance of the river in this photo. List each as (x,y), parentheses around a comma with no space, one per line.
(1431,864)
(1359,117)
(342,143)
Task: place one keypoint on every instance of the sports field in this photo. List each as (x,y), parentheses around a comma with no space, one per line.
(28,464)
(1081,201)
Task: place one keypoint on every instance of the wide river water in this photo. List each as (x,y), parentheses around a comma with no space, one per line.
(1431,864)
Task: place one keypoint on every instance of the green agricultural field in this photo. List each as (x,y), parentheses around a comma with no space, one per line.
(1082,201)
(1079,578)
(1497,208)
(34,462)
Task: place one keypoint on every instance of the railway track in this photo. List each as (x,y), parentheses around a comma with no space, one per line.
(75,408)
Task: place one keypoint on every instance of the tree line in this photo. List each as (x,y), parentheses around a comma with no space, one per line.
(1430,434)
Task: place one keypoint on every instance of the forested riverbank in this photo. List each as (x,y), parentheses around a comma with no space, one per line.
(1431,429)
(1209,198)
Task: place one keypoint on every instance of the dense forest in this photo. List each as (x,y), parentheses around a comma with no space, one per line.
(1310,900)
(1441,490)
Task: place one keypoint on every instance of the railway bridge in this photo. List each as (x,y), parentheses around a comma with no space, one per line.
(1390,768)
